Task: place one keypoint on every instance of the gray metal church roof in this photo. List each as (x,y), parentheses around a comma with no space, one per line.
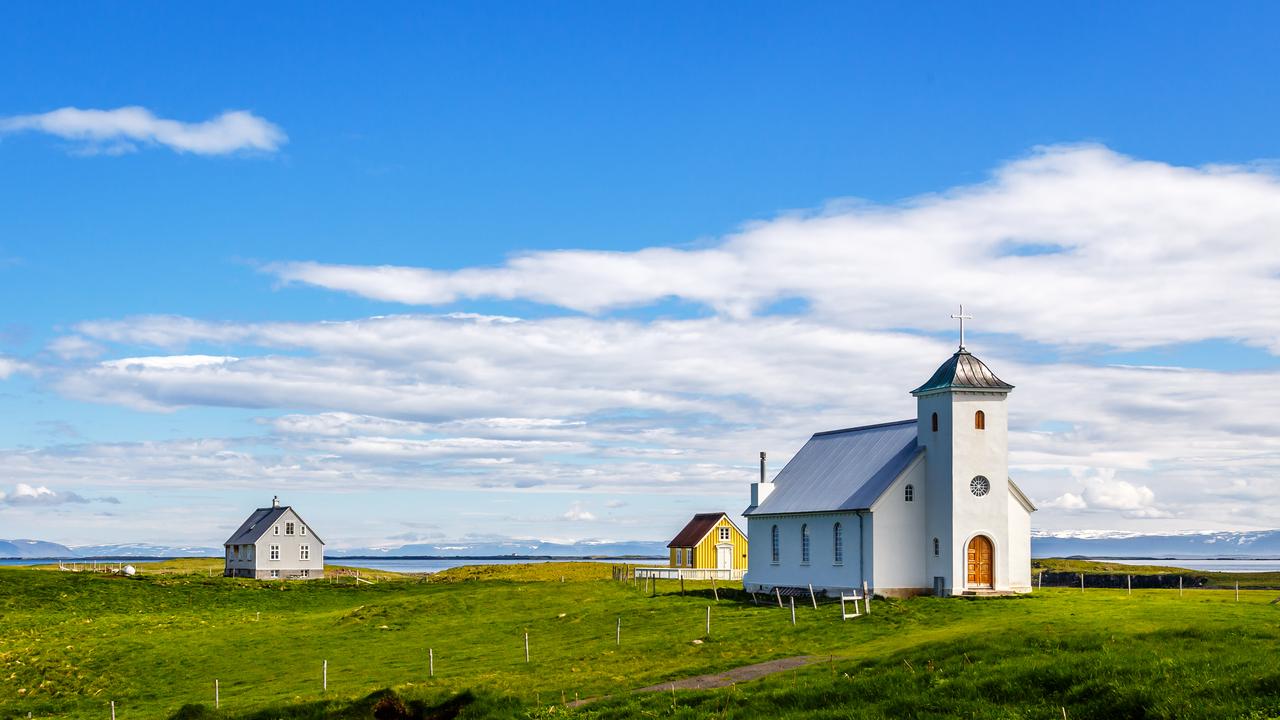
(963,371)
(842,469)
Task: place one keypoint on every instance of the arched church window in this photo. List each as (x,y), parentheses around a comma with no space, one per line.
(804,544)
(777,545)
(909,493)
(935,422)
(935,547)
(837,539)
(979,420)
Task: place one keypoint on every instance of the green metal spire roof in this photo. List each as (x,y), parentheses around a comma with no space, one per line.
(963,371)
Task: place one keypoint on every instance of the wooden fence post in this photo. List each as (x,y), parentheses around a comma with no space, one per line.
(713,588)
(1179,586)
(1237,591)
(324,676)
(113,710)
(1128,580)
(793,610)
(681,574)
(1040,582)
(866,597)
(777,593)
(526,647)
(813,598)
(217,701)
(617,635)
(1081,582)
(431,662)
(708,621)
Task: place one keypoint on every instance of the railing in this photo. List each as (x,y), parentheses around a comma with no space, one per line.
(670,573)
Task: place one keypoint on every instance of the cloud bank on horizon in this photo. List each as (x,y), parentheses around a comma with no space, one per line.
(1071,257)
(122,130)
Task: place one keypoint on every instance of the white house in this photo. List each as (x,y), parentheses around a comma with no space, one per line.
(274,543)
(909,507)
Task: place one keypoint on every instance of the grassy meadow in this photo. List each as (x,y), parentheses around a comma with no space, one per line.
(72,642)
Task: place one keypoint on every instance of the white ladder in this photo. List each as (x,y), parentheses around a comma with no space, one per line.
(854,598)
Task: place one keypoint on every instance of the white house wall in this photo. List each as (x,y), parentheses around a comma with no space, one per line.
(822,571)
(900,548)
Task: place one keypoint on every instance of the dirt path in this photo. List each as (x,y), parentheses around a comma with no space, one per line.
(724,679)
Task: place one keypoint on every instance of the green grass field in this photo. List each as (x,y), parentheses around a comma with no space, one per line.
(72,642)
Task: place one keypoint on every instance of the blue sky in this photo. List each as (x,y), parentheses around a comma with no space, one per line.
(767,183)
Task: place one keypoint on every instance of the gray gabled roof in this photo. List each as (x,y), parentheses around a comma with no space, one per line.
(963,371)
(842,469)
(259,522)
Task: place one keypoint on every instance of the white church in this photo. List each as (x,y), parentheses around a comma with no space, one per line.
(908,507)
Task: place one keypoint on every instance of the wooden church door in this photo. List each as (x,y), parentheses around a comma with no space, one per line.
(979,562)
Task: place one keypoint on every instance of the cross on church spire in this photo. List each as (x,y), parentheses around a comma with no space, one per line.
(962,317)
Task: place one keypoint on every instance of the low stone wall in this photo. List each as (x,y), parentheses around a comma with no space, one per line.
(1120,581)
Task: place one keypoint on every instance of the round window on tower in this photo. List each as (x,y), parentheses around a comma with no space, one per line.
(980,486)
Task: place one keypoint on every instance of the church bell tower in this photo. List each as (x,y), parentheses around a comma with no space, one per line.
(963,424)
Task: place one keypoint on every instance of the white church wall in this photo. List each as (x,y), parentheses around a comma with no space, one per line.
(1019,546)
(980,452)
(939,482)
(822,571)
(900,547)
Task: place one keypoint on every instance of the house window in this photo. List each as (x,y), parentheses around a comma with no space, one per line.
(935,422)
(837,542)
(229,551)
(804,544)
(275,530)
(909,493)
(249,551)
(288,528)
(776,544)
(724,534)
(302,529)
(275,552)
(306,573)
(935,547)
(304,552)
(979,420)
(275,574)
(679,557)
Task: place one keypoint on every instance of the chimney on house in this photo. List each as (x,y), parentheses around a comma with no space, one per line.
(760,490)
(275,501)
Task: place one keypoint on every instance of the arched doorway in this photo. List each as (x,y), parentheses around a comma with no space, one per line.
(979,562)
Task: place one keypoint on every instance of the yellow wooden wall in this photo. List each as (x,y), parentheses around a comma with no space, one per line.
(704,555)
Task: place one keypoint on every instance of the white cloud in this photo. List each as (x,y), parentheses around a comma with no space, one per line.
(1103,491)
(1069,246)
(24,494)
(167,362)
(9,366)
(74,347)
(680,407)
(121,129)
(578,514)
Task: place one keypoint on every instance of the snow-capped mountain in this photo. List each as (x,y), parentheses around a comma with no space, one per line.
(1258,543)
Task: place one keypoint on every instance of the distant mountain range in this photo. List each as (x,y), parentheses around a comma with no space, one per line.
(43,549)
(1258,543)
(1261,543)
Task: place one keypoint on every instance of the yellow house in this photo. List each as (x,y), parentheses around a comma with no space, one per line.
(710,540)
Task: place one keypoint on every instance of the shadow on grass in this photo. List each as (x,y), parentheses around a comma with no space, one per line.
(381,705)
